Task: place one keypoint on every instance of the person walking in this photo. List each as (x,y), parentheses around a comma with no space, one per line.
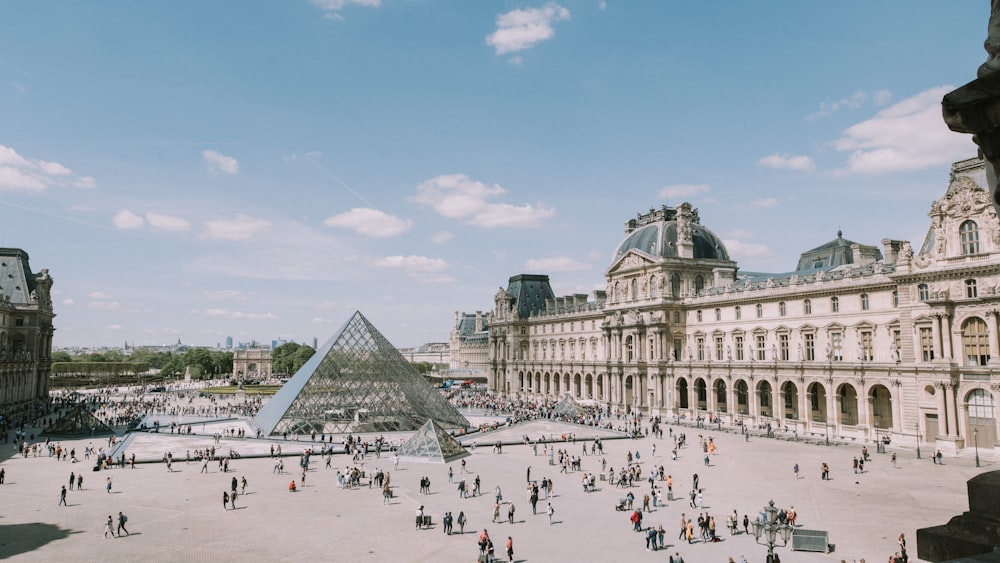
(795,469)
(510,549)
(109,527)
(72,480)
(108,485)
(551,512)
(62,497)
(121,523)
(461,522)
(510,514)
(225,500)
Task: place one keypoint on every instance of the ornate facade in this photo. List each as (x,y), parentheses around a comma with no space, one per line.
(25,329)
(860,341)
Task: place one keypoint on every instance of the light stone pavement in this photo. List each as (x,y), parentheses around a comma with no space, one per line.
(175,516)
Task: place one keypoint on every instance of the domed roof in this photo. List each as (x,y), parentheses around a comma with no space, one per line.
(660,239)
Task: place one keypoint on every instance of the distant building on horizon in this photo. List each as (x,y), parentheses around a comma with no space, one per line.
(25,329)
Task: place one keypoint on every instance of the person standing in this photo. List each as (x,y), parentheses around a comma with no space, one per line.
(795,469)
(461,522)
(420,517)
(121,523)
(225,500)
(62,497)
(109,527)
(243,483)
(551,512)
(108,485)
(72,480)
(510,549)
(510,513)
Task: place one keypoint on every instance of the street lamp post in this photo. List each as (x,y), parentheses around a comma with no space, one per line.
(975,437)
(770,529)
(917,426)
(826,430)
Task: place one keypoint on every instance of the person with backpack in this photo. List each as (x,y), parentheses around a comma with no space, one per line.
(121,523)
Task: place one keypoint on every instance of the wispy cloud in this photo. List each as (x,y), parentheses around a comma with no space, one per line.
(441,237)
(555,264)
(677,191)
(218,162)
(518,30)
(226,295)
(125,219)
(764,202)
(740,250)
(784,161)
(226,313)
(856,100)
(420,268)
(332,8)
(906,136)
(457,196)
(369,222)
(18,173)
(242,227)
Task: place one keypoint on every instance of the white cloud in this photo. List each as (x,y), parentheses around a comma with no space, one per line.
(522,29)
(104,305)
(242,227)
(739,250)
(682,190)
(735,234)
(226,295)
(602,5)
(332,8)
(420,268)
(69,302)
(441,237)
(98,295)
(555,264)
(225,313)
(854,101)
(115,327)
(167,222)
(459,197)
(314,154)
(764,202)
(125,219)
(369,222)
(882,97)
(218,162)
(786,161)
(18,173)
(908,135)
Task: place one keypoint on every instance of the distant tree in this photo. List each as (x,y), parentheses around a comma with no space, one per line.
(61,357)
(289,357)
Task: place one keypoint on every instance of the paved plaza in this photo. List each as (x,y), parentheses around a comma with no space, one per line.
(177,515)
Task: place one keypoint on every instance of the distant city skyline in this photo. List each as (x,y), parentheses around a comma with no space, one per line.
(269,168)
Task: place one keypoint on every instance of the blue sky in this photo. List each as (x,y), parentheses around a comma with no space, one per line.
(196,170)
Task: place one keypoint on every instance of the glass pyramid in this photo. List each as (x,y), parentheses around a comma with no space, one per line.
(356,382)
(568,407)
(431,443)
(78,421)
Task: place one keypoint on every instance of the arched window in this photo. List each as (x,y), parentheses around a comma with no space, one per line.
(635,288)
(969,232)
(781,308)
(971,290)
(864,302)
(976,342)
(923,292)
(718,314)
(699,283)
(895,298)
(675,285)
(981,406)
(628,348)
(807,307)
(835,304)
(760,310)
(739,312)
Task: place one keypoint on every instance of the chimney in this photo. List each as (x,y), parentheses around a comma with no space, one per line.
(479,321)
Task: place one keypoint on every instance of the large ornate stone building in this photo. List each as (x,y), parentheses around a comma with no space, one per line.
(25,329)
(859,341)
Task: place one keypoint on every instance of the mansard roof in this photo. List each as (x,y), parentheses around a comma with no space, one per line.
(530,291)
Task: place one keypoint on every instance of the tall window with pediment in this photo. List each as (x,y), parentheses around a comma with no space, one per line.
(699,283)
(739,312)
(675,285)
(923,292)
(969,232)
(835,304)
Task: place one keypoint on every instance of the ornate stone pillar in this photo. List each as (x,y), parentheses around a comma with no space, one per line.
(994,336)
(936,336)
(952,412)
(947,336)
(942,410)
(832,413)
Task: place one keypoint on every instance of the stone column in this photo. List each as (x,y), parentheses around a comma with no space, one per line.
(863,407)
(942,410)
(947,336)
(832,413)
(936,337)
(731,405)
(805,410)
(994,336)
(952,413)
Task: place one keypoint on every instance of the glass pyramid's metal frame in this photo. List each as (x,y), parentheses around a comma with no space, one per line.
(431,443)
(78,421)
(356,382)
(568,407)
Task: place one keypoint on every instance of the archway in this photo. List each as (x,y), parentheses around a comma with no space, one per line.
(520,382)
(701,394)
(817,402)
(589,386)
(764,398)
(548,384)
(600,387)
(880,400)
(555,386)
(720,396)
(682,393)
(577,386)
(790,394)
(742,397)
(847,400)
(538,383)
(980,418)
